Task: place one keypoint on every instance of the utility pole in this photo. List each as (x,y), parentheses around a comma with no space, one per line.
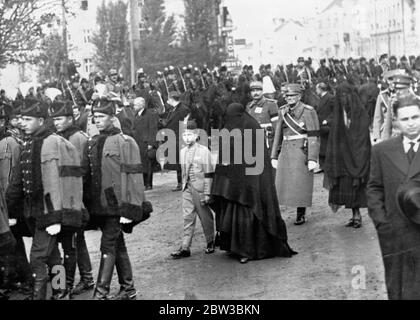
(134,30)
(65,46)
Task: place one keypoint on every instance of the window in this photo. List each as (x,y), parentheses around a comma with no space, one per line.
(86,36)
(84,5)
(88,65)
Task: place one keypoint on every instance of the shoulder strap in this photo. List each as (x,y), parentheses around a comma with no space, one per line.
(293,125)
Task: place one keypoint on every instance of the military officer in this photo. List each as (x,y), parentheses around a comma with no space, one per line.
(295,152)
(264,110)
(399,84)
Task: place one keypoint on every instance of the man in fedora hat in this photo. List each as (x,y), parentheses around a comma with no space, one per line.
(394,164)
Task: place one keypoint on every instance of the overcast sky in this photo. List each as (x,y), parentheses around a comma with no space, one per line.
(252,18)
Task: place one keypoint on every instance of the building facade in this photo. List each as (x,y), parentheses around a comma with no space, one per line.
(369,28)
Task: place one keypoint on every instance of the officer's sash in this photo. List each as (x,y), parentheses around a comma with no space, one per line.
(293,125)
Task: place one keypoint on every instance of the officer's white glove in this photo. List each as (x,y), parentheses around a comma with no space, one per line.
(274,163)
(325,123)
(312,165)
(12,222)
(54,229)
(125,220)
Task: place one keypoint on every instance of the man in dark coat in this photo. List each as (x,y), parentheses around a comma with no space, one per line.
(171,122)
(145,129)
(325,114)
(394,162)
(45,191)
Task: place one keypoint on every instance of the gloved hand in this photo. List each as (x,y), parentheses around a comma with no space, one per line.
(270,133)
(207,199)
(312,165)
(125,220)
(54,229)
(12,222)
(274,163)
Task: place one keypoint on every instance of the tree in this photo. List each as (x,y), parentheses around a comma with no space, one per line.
(50,57)
(157,35)
(201,31)
(111,41)
(20,29)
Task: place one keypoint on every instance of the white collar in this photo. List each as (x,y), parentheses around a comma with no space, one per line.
(406,140)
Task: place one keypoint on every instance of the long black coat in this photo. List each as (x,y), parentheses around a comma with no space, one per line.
(172,120)
(325,112)
(145,129)
(399,238)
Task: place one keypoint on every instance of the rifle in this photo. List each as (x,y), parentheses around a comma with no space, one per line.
(202,81)
(166,85)
(68,88)
(182,78)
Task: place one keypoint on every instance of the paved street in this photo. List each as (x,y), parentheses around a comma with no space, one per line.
(322,270)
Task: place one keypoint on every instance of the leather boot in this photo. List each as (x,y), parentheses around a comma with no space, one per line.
(39,291)
(125,277)
(70,267)
(85,267)
(103,283)
(3,295)
(5,274)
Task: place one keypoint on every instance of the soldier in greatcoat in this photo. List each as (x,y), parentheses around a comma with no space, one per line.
(296,147)
(76,252)
(117,203)
(46,191)
(16,269)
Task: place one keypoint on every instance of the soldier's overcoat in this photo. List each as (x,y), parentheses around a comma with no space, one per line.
(294,182)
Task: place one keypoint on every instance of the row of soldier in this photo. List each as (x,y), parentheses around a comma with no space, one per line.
(292,130)
(54,186)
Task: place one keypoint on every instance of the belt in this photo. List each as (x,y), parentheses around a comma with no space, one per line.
(296,137)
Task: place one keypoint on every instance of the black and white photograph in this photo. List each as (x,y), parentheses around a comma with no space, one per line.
(209,156)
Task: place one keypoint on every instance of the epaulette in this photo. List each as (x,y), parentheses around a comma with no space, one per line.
(283,107)
(85,134)
(308,107)
(125,137)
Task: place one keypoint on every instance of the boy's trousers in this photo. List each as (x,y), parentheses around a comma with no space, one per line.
(192,207)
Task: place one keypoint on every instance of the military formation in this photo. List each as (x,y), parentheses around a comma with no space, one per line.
(79,155)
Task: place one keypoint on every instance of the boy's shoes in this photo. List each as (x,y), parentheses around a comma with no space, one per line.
(210,248)
(148,188)
(177,188)
(181,254)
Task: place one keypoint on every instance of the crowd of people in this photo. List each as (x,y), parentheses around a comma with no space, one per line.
(79,155)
